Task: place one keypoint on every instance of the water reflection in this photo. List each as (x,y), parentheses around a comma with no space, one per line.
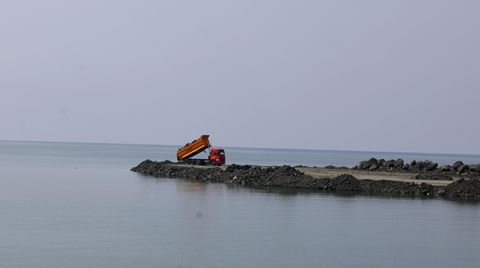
(191,186)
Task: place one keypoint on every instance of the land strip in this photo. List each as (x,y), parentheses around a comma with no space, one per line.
(337,180)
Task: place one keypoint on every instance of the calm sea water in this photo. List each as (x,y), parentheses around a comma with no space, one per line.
(78,205)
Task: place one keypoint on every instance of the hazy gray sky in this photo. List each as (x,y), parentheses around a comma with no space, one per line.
(356,75)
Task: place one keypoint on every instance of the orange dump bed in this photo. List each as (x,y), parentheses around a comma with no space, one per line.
(195,147)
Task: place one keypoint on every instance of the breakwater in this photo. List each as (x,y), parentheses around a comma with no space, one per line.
(290,177)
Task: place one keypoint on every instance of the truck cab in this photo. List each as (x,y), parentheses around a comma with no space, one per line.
(217,156)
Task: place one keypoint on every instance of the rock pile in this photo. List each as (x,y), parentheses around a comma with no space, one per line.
(399,165)
(463,189)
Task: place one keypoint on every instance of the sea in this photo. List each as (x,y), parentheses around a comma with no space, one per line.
(79,205)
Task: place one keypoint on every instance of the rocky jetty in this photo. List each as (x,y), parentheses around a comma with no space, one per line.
(290,177)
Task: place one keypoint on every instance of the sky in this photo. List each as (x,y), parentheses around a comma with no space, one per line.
(397,75)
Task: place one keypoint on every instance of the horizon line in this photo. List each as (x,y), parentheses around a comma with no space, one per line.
(236,147)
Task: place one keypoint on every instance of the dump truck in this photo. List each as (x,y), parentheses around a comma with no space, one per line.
(216,156)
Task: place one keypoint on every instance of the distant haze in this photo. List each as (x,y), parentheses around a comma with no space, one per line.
(397,75)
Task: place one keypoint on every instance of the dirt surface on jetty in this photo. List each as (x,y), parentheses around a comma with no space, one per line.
(318,172)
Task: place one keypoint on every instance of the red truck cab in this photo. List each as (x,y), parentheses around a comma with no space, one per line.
(217,156)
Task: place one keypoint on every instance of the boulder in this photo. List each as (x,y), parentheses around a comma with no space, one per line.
(463,169)
(475,169)
(445,168)
(368,164)
(457,165)
(364,165)
(389,165)
(422,165)
(399,164)
(431,167)
(374,167)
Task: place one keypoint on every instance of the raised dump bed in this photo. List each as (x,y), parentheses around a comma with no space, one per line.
(195,147)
